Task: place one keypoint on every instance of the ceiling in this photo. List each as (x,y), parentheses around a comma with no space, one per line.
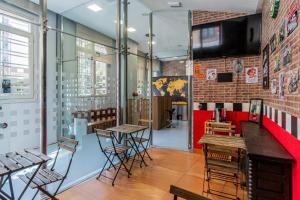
(170,26)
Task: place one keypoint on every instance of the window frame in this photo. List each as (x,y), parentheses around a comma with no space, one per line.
(95,57)
(31,49)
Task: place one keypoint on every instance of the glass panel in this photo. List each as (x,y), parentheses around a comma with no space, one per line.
(101,78)
(170,82)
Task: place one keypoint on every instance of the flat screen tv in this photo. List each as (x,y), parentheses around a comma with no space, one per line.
(233,37)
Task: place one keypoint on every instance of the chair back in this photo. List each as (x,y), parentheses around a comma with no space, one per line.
(103,134)
(182,193)
(69,145)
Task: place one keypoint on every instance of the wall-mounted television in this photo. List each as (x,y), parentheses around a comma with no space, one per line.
(233,37)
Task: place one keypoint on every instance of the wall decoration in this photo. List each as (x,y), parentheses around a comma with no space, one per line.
(211,74)
(286,55)
(238,65)
(292,18)
(251,75)
(274,8)
(266,67)
(174,86)
(277,63)
(6,86)
(293,80)
(274,86)
(273,43)
(255,111)
(281,85)
(197,70)
(282,32)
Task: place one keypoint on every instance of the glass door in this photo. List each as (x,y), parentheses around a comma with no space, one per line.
(171,81)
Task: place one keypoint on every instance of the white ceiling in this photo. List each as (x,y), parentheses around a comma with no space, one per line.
(170,27)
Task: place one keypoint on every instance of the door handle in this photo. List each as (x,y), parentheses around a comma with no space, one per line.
(3,125)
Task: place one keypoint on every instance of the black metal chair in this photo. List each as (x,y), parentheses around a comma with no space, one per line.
(116,150)
(47,176)
(182,193)
(140,139)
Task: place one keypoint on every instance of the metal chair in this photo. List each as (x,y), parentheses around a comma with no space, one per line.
(221,163)
(110,152)
(47,176)
(182,193)
(141,140)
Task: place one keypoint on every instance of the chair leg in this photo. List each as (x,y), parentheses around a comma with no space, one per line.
(113,182)
(103,168)
(37,191)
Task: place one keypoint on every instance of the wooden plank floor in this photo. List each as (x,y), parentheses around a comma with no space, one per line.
(180,168)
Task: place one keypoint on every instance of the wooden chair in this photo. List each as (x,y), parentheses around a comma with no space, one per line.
(182,193)
(221,163)
(47,176)
(111,152)
(212,127)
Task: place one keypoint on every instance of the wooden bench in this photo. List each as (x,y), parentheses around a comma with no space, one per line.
(182,193)
(98,118)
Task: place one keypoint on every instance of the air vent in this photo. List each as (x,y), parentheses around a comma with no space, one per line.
(175,4)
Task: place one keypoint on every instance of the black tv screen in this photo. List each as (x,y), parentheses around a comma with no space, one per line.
(233,37)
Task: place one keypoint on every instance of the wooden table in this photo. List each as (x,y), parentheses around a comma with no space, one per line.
(13,162)
(226,141)
(129,129)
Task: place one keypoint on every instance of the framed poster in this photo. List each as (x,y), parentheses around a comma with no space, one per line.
(211,74)
(265,62)
(293,79)
(274,86)
(6,86)
(286,55)
(255,111)
(251,75)
(273,43)
(277,63)
(281,85)
(282,32)
(292,18)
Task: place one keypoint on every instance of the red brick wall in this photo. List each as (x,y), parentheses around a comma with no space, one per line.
(291,103)
(237,91)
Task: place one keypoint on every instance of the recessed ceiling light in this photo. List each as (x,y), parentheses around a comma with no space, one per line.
(175,4)
(131,29)
(94,7)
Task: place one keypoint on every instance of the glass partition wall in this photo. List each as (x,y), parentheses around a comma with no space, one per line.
(103,58)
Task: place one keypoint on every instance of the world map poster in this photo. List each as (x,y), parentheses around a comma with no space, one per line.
(174,86)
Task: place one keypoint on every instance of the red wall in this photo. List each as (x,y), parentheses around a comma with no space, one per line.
(200,116)
(292,145)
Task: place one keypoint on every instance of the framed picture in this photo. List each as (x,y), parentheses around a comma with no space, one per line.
(251,75)
(255,111)
(293,79)
(286,55)
(281,85)
(282,32)
(292,18)
(211,74)
(265,62)
(273,43)
(274,86)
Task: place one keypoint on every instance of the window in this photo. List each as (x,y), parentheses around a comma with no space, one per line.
(16,63)
(92,73)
